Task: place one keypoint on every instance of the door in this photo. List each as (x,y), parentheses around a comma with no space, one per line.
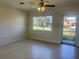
(69,29)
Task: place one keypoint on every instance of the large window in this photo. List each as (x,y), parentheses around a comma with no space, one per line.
(42,23)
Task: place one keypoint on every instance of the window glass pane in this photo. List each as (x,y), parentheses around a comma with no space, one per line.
(69,28)
(42,23)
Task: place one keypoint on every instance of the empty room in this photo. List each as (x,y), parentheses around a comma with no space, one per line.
(39,29)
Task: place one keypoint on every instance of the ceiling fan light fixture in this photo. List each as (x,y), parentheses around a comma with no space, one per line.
(41,9)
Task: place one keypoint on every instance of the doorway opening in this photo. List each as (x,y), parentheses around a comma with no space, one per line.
(69,29)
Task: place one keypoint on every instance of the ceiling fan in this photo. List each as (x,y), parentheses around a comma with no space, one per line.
(41,5)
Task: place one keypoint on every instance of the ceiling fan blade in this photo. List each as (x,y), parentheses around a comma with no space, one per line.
(50,5)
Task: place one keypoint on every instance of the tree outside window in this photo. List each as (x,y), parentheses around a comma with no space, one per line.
(42,23)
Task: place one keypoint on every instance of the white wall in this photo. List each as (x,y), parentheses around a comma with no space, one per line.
(12,26)
(56,34)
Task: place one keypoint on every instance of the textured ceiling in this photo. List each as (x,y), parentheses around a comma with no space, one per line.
(28,6)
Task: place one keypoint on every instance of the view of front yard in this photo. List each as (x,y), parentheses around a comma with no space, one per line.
(42,28)
(43,23)
(69,36)
(69,28)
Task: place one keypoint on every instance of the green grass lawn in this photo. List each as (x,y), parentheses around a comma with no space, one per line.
(42,28)
(69,36)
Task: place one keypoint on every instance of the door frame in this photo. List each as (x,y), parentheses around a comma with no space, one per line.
(62,25)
